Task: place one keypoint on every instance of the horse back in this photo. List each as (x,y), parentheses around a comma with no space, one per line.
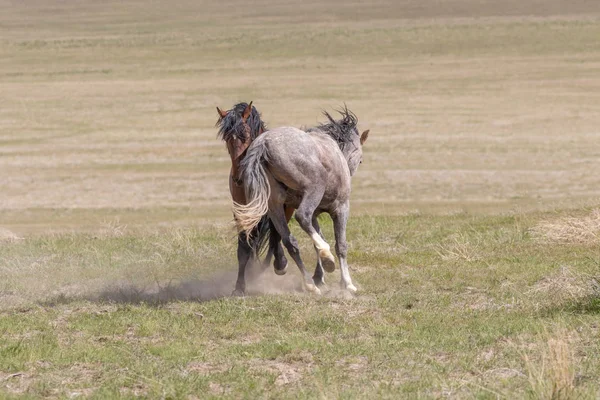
(304,161)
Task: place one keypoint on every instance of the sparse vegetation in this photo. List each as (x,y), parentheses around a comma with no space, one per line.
(474,229)
(149,313)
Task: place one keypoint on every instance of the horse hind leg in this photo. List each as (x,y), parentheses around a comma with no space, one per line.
(275,253)
(277,215)
(268,256)
(275,249)
(280,262)
(267,231)
(340,218)
(319,276)
(304,215)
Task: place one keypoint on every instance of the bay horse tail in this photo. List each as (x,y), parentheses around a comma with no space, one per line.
(256,186)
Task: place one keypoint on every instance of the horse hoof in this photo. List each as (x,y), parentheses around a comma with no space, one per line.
(280,266)
(238,293)
(327,260)
(281,271)
(319,282)
(313,289)
(351,288)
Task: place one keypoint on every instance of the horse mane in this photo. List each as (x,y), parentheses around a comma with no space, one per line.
(341,130)
(232,125)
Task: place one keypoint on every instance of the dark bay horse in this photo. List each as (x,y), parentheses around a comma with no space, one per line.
(238,127)
(310,171)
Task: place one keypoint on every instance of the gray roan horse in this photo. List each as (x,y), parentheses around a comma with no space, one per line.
(309,171)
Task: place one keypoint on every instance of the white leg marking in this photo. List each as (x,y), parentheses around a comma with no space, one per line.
(312,288)
(324,252)
(320,244)
(346,280)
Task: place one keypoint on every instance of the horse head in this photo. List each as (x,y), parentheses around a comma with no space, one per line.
(344,132)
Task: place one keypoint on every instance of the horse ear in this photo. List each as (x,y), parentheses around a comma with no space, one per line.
(364,136)
(247,112)
(222,113)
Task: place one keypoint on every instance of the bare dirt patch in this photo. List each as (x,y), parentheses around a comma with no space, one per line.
(8,236)
(204,368)
(218,389)
(287,373)
(354,365)
(138,390)
(16,382)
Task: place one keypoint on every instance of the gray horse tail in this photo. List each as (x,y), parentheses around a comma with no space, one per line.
(256,185)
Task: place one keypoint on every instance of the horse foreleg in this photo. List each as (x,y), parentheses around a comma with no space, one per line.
(244,254)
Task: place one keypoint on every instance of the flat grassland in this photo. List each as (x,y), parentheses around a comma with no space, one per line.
(475,235)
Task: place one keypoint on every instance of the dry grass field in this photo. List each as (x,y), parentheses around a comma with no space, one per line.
(475,230)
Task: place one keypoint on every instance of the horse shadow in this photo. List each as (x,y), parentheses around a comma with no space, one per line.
(220,285)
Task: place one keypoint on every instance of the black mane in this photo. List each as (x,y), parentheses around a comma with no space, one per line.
(342,130)
(232,125)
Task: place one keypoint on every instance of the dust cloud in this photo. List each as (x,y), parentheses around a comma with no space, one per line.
(259,280)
